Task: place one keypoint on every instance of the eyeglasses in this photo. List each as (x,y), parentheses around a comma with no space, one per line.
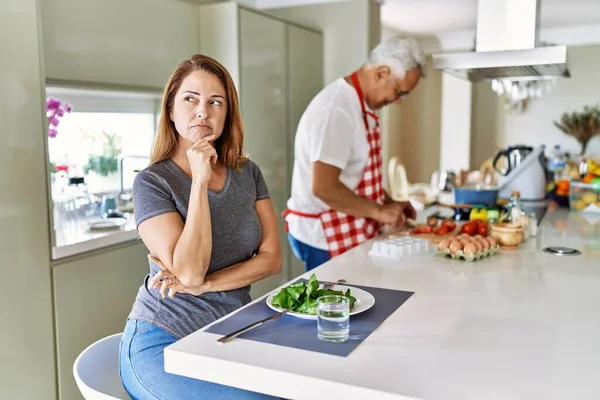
(400,93)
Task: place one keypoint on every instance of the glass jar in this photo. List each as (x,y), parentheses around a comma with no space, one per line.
(533,225)
(82,205)
(525,224)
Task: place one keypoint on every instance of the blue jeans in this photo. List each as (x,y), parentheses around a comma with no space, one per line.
(311,256)
(142,369)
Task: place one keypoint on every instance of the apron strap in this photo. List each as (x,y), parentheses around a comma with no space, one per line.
(361,98)
(287,212)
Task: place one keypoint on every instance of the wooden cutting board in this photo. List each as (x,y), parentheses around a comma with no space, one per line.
(432,237)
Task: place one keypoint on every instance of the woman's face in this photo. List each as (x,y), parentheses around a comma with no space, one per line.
(200,107)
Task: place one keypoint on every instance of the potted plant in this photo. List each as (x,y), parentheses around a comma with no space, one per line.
(582,125)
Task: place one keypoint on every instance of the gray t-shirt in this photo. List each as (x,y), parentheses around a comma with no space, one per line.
(236,233)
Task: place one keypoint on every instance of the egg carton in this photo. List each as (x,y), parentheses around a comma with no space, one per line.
(400,248)
(460,255)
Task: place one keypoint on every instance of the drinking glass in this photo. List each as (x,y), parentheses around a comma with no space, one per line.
(333,318)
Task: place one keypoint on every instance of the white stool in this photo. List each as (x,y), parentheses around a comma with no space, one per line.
(96,370)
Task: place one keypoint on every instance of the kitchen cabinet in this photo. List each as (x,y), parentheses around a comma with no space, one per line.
(305,64)
(114,43)
(278,68)
(93,295)
(263,76)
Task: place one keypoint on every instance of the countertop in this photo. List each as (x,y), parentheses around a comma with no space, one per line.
(519,325)
(76,237)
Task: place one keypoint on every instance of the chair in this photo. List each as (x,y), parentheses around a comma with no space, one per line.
(96,370)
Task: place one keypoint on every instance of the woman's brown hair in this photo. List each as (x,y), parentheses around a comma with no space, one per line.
(230,145)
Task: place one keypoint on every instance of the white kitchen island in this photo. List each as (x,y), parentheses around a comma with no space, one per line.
(520,325)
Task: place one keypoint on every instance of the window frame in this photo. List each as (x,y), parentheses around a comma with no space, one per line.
(95,98)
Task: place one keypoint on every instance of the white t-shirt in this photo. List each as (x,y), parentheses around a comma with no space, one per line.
(331,131)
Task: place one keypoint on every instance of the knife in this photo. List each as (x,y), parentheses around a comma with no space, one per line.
(245,329)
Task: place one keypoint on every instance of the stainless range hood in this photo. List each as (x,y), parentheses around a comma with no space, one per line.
(507,46)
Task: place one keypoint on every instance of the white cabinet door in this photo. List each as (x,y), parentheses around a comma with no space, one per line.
(305,80)
(93,296)
(26,330)
(263,99)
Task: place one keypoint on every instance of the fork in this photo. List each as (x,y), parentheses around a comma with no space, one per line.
(330,285)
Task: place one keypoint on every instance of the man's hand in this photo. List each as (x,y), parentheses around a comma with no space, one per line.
(387,199)
(395,213)
(408,211)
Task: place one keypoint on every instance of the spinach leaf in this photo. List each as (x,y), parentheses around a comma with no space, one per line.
(295,292)
(281,299)
(284,300)
(308,307)
(312,287)
(352,298)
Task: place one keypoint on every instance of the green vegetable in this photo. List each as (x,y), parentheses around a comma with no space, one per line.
(302,297)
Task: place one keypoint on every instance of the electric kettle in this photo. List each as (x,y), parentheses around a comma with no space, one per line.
(511,158)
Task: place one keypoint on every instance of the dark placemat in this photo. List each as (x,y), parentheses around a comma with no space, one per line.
(302,334)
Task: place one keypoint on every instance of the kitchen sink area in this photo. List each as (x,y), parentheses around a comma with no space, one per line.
(82,222)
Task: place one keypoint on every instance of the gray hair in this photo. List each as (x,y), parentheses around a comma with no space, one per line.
(399,54)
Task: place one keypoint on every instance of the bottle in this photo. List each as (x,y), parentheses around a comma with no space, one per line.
(515,206)
(557,163)
(517,214)
(583,167)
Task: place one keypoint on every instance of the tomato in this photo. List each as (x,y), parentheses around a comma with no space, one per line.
(482,229)
(442,230)
(449,224)
(470,228)
(423,229)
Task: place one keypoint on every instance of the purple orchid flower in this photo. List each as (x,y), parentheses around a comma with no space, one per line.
(55,109)
(52,103)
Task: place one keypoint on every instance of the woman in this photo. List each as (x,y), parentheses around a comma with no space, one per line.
(203,211)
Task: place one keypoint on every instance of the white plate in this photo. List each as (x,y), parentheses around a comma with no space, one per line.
(108,223)
(364,301)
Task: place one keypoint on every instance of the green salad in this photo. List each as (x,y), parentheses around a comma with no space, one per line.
(302,296)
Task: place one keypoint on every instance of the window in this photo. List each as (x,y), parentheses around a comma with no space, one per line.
(94,153)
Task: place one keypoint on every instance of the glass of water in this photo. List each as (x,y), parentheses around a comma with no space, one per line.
(333,318)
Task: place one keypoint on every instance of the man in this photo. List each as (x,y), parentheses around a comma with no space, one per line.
(337,199)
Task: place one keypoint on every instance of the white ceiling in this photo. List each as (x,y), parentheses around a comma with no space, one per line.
(449,25)
(432,17)
(268,4)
